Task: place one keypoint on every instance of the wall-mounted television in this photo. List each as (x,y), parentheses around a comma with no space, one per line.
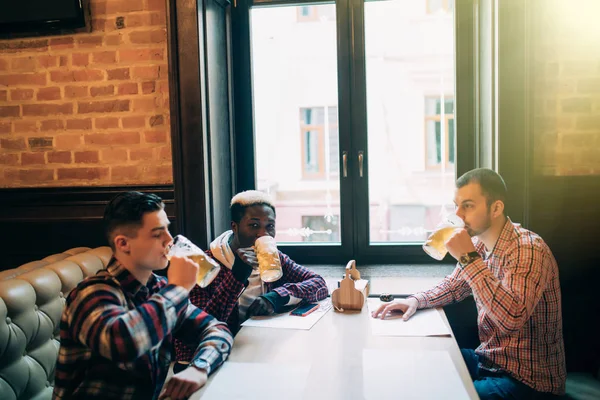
(22,16)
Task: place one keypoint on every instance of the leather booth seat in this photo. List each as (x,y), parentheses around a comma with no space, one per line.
(32,298)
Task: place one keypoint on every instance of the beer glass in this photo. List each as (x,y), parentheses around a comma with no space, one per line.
(435,245)
(269,264)
(209,268)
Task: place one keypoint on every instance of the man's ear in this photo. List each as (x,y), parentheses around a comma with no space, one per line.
(234,227)
(122,244)
(498,208)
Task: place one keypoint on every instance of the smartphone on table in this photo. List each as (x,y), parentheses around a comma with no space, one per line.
(304,310)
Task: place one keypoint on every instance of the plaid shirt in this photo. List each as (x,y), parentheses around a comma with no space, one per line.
(220,298)
(518,299)
(116,336)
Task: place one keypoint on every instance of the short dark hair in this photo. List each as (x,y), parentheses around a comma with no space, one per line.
(491,183)
(126,211)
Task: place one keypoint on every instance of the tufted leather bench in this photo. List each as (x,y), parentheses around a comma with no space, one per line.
(32,298)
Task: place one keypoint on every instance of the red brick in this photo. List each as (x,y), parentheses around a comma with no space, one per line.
(141,55)
(102,25)
(114,155)
(63,61)
(148,37)
(14,46)
(162,86)
(103,106)
(47,61)
(137,20)
(165,153)
(112,40)
(107,123)
(80,59)
(59,157)
(23,79)
(47,109)
(157,5)
(98,8)
(5,127)
(128,88)
(3,95)
(32,175)
(104,57)
(141,154)
(147,72)
(158,18)
(148,87)
(144,104)
(9,159)
(27,64)
(83,173)
(41,143)
(61,76)
(79,124)
(25,126)
(133,122)
(160,173)
(21,94)
(52,125)
(89,41)
(13,144)
(118,73)
(88,75)
(120,138)
(3,65)
(67,142)
(163,71)
(61,43)
(49,93)
(9,111)
(76,91)
(156,120)
(126,173)
(108,90)
(32,158)
(155,136)
(86,157)
(124,6)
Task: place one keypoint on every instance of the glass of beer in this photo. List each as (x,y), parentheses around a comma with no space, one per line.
(435,245)
(209,268)
(269,264)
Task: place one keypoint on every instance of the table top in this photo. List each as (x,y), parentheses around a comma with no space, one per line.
(334,349)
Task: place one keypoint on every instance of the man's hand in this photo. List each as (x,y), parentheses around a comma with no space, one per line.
(184,384)
(248,256)
(459,243)
(260,306)
(408,306)
(182,272)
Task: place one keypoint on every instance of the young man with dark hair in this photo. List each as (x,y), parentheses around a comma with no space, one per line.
(513,277)
(237,292)
(117,329)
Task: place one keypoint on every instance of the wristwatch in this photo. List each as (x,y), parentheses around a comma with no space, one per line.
(201,364)
(468,258)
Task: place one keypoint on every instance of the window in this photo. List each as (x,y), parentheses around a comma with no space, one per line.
(439,124)
(314,13)
(321,228)
(320,142)
(440,6)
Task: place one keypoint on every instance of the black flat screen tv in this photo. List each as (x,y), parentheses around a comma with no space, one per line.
(20,16)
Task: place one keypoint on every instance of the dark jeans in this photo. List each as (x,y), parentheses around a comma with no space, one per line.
(496,386)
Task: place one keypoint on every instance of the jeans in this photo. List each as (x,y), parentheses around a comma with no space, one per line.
(495,386)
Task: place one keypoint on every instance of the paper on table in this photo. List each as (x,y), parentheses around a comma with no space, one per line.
(427,322)
(235,380)
(406,374)
(287,321)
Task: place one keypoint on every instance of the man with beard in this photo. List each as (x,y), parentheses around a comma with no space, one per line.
(513,276)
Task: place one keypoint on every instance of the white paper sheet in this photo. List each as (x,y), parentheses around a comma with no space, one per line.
(240,381)
(426,322)
(406,374)
(287,321)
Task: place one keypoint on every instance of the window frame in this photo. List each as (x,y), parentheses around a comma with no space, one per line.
(448,119)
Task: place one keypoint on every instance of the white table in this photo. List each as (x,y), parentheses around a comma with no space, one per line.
(333,348)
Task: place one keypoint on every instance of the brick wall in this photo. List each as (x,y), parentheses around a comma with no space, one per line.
(88,108)
(566,87)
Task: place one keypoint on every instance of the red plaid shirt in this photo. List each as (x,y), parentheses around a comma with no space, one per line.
(220,298)
(518,299)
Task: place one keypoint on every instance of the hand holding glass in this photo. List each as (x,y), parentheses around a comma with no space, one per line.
(269,265)
(435,245)
(209,268)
